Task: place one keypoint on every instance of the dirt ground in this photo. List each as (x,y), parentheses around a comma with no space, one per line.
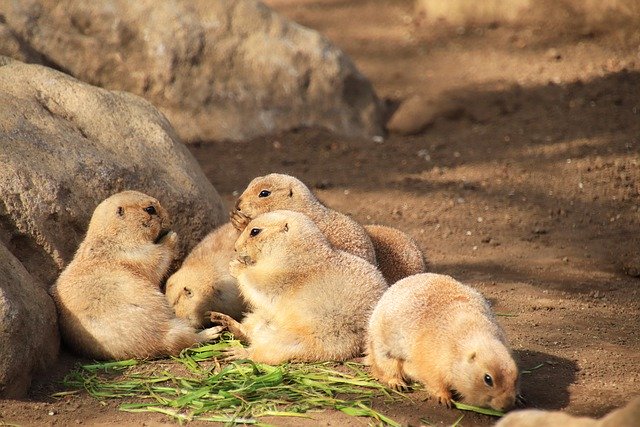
(528,188)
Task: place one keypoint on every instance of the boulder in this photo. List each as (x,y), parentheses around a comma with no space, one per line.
(223,70)
(417,113)
(29,340)
(66,145)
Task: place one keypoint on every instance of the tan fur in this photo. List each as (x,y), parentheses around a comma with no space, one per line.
(435,330)
(203,282)
(108,298)
(309,301)
(398,255)
(287,192)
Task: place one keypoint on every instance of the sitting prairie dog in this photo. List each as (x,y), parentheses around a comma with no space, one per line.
(203,282)
(398,255)
(435,330)
(108,297)
(309,301)
(278,191)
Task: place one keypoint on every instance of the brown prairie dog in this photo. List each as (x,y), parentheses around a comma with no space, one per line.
(278,191)
(203,282)
(398,255)
(310,302)
(435,330)
(108,297)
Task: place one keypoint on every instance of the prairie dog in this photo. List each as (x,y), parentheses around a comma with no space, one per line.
(203,282)
(108,297)
(310,301)
(398,255)
(435,330)
(278,191)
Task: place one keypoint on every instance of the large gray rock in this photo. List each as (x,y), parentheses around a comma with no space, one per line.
(223,69)
(29,339)
(66,145)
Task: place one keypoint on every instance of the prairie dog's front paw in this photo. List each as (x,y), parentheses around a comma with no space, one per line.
(239,220)
(234,267)
(235,353)
(172,239)
(167,238)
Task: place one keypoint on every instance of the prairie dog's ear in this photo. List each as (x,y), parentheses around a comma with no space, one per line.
(286,227)
(290,190)
(472,357)
(120,211)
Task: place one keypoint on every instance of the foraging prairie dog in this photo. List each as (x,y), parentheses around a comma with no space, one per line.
(108,297)
(278,191)
(203,282)
(309,301)
(435,330)
(398,255)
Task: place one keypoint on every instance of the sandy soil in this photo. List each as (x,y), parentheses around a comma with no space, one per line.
(529,191)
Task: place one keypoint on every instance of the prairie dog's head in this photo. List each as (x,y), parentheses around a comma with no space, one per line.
(191,293)
(487,376)
(130,218)
(275,239)
(269,193)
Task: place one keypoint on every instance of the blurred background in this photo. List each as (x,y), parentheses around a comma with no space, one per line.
(503,135)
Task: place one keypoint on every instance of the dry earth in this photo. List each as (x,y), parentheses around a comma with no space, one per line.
(528,188)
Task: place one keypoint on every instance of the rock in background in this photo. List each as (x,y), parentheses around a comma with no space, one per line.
(29,339)
(224,69)
(66,145)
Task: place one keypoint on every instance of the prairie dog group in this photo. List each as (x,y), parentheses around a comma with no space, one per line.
(309,301)
(109,301)
(435,330)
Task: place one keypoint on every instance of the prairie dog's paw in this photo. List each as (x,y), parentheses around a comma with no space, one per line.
(220,319)
(211,334)
(236,353)
(235,267)
(239,220)
(398,384)
(229,323)
(168,238)
(172,239)
(444,397)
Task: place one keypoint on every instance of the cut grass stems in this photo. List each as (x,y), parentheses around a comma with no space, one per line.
(239,392)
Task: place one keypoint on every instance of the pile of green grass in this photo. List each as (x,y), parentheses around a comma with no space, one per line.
(238,392)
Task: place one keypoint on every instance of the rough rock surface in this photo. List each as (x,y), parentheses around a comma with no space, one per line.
(29,339)
(224,69)
(66,145)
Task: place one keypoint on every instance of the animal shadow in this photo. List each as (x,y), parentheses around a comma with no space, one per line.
(545,379)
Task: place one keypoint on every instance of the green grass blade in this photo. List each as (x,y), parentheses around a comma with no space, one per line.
(485,411)
(457,422)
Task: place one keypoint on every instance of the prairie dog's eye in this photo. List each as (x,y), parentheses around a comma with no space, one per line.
(264,193)
(488,380)
(150,210)
(254,232)
(187,292)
